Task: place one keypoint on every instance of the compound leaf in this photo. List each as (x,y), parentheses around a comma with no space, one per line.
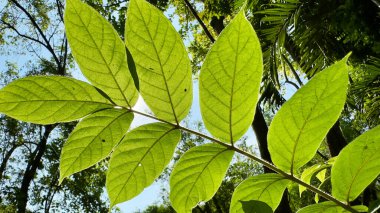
(230,80)
(197,175)
(267,188)
(162,63)
(303,121)
(50,99)
(356,166)
(99,52)
(139,160)
(93,139)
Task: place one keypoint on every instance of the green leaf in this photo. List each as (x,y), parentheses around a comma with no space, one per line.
(162,63)
(229,81)
(303,121)
(50,99)
(99,52)
(267,188)
(315,170)
(197,175)
(139,160)
(93,139)
(254,206)
(329,207)
(357,166)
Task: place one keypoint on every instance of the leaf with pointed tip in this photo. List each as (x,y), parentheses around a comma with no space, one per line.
(302,123)
(357,166)
(329,207)
(93,139)
(230,80)
(162,63)
(50,99)
(139,160)
(197,175)
(99,52)
(267,188)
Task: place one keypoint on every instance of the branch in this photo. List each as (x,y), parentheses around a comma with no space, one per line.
(9,26)
(254,157)
(195,14)
(35,24)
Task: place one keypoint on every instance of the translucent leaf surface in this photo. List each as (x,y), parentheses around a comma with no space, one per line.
(100,52)
(329,207)
(318,170)
(357,166)
(197,175)
(267,188)
(139,160)
(161,61)
(300,125)
(93,139)
(50,99)
(230,80)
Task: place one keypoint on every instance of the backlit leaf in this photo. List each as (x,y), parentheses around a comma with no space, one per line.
(302,123)
(139,160)
(50,99)
(99,52)
(318,170)
(230,80)
(356,166)
(267,188)
(197,175)
(93,139)
(162,63)
(329,207)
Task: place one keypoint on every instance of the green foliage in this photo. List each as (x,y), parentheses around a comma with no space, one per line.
(356,166)
(267,188)
(329,207)
(100,52)
(93,139)
(197,175)
(230,80)
(298,128)
(162,63)
(229,89)
(139,159)
(50,99)
(317,170)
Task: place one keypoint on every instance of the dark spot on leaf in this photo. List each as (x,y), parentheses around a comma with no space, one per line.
(365,147)
(103,140)
(185,90)
(150,68)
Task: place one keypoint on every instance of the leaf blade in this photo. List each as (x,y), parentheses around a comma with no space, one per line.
(329,207)
(92,140)
(303,121)
(267,188)
(356,166)
(198,175)
(99,52)
(161,61)
(139,160)
(50,99)
(228,87)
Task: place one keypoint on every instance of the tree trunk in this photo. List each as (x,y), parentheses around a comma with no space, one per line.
(31,170)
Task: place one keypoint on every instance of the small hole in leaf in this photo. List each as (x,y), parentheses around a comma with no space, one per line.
(140,164)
